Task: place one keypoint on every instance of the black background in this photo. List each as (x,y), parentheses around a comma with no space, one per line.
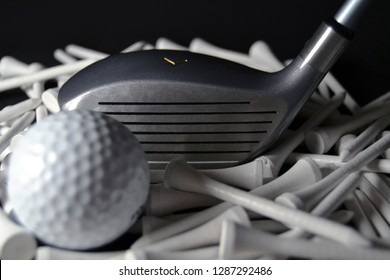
(32,30)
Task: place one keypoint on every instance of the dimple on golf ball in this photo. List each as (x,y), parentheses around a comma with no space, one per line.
(78,180)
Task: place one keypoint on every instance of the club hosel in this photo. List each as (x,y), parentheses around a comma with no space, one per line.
(326,46)
(296,82)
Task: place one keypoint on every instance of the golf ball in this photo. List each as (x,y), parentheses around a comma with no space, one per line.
(78,180)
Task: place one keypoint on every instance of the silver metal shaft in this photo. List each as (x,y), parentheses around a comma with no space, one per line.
(351,12)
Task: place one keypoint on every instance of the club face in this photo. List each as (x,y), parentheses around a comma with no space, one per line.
(211,115)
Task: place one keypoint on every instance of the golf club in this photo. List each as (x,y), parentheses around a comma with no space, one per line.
(208,111)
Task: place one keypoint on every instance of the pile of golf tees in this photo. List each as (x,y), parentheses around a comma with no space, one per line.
(322,192)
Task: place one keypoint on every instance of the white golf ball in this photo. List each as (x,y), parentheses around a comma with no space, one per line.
(78,180)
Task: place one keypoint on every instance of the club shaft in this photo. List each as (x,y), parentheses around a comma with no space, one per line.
(351,12)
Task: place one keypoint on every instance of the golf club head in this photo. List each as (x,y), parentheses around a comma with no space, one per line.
(208,111)
(205,110)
